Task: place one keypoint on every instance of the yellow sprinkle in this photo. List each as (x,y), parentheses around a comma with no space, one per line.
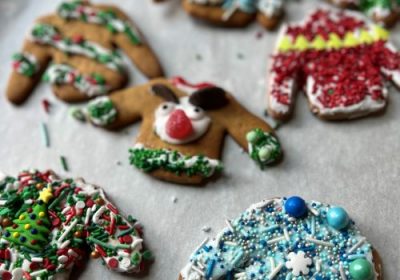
(301,43)
(21,217)
(334,41)
(318,43)
(365,37)
(380,33)
(42,214)
(27,226)
(285,44)
(15,234)
(350,40)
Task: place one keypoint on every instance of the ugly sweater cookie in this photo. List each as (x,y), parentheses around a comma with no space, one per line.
(48,224)
(74,50)
(183,128)
(339,59)
(236,13)
(288,238)
(386,12)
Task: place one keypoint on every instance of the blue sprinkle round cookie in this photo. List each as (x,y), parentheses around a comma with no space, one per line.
(286,239)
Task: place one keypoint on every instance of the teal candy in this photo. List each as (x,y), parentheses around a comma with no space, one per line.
(338,218)
(361,269)
(248,6)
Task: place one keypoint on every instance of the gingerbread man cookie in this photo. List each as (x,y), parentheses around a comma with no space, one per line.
(182,134)
(386,12)
(80,42)
(339,59)
(287,238)
(236,13)
(48,223)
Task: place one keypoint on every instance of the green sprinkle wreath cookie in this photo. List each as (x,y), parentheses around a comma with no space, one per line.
(48,223)
(286,239)
(183,128)
(75,51)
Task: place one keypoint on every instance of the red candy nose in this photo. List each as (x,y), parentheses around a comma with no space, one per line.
(179,125)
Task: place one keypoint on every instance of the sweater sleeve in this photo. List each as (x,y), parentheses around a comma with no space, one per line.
(253,134)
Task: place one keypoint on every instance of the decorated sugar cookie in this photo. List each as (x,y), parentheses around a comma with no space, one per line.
(74,50)
(48,224)
(386,12)
(288,238)
(183,128)
(341,62)
(236,13)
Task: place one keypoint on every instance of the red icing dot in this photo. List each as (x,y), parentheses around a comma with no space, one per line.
(34,266)
(113,263)
(34,241)
(89,203)
(179,125)
(127,239)
(6,275)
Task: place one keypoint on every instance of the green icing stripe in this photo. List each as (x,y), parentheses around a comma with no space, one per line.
(152,159)
(25,64)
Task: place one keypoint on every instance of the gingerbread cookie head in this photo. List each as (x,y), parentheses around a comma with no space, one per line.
(285,239)
(183,128)
(48,223)
(182,120)
(339,59)
(75,50)
(236,13)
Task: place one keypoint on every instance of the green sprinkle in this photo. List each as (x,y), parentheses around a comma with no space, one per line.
(64,163)
(78,114)
(147,255)
(125,232)
(106,245)
(45,135)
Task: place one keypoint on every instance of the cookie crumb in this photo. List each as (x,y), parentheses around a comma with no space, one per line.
(174,199)
(240,56)
(199,57)
(119,163)
(259,35)
(206,229)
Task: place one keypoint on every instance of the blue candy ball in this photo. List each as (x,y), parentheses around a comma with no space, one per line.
(338,218)
(296,207)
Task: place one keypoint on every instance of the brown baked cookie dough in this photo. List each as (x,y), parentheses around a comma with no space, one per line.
(183,128)
(286,238)
(236,13)
(80,41)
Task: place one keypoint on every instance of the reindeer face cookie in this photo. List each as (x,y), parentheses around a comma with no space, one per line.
(183,128)
(236,13)
(385,12)
(339,59)
(47,223)
(286,238)
(74,50)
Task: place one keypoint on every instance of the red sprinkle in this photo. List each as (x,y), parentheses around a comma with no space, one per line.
(113,263)
(46,105)
(127,239)
(6,275)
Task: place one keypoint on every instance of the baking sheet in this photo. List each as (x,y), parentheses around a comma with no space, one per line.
(353,164)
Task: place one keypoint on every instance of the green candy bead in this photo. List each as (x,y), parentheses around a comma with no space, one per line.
(251,136)
(265,153)
(361,269)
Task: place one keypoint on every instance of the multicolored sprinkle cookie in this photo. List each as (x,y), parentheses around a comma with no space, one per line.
(288,238)
(386,12)
(339,59)
(183,128)
(77,47)
(236,13)
(48,223)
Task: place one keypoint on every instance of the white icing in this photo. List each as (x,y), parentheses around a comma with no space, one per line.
(199,120)
(270,7)
(365,107)
(54,73)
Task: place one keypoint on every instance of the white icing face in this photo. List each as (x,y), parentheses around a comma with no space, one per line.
(180,123)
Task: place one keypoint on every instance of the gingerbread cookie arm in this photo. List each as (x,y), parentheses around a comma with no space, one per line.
(28,67)
(137,50)
(254,135)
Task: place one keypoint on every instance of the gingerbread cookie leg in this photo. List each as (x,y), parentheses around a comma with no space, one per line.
(47,222)
(28,67)
(270,13)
